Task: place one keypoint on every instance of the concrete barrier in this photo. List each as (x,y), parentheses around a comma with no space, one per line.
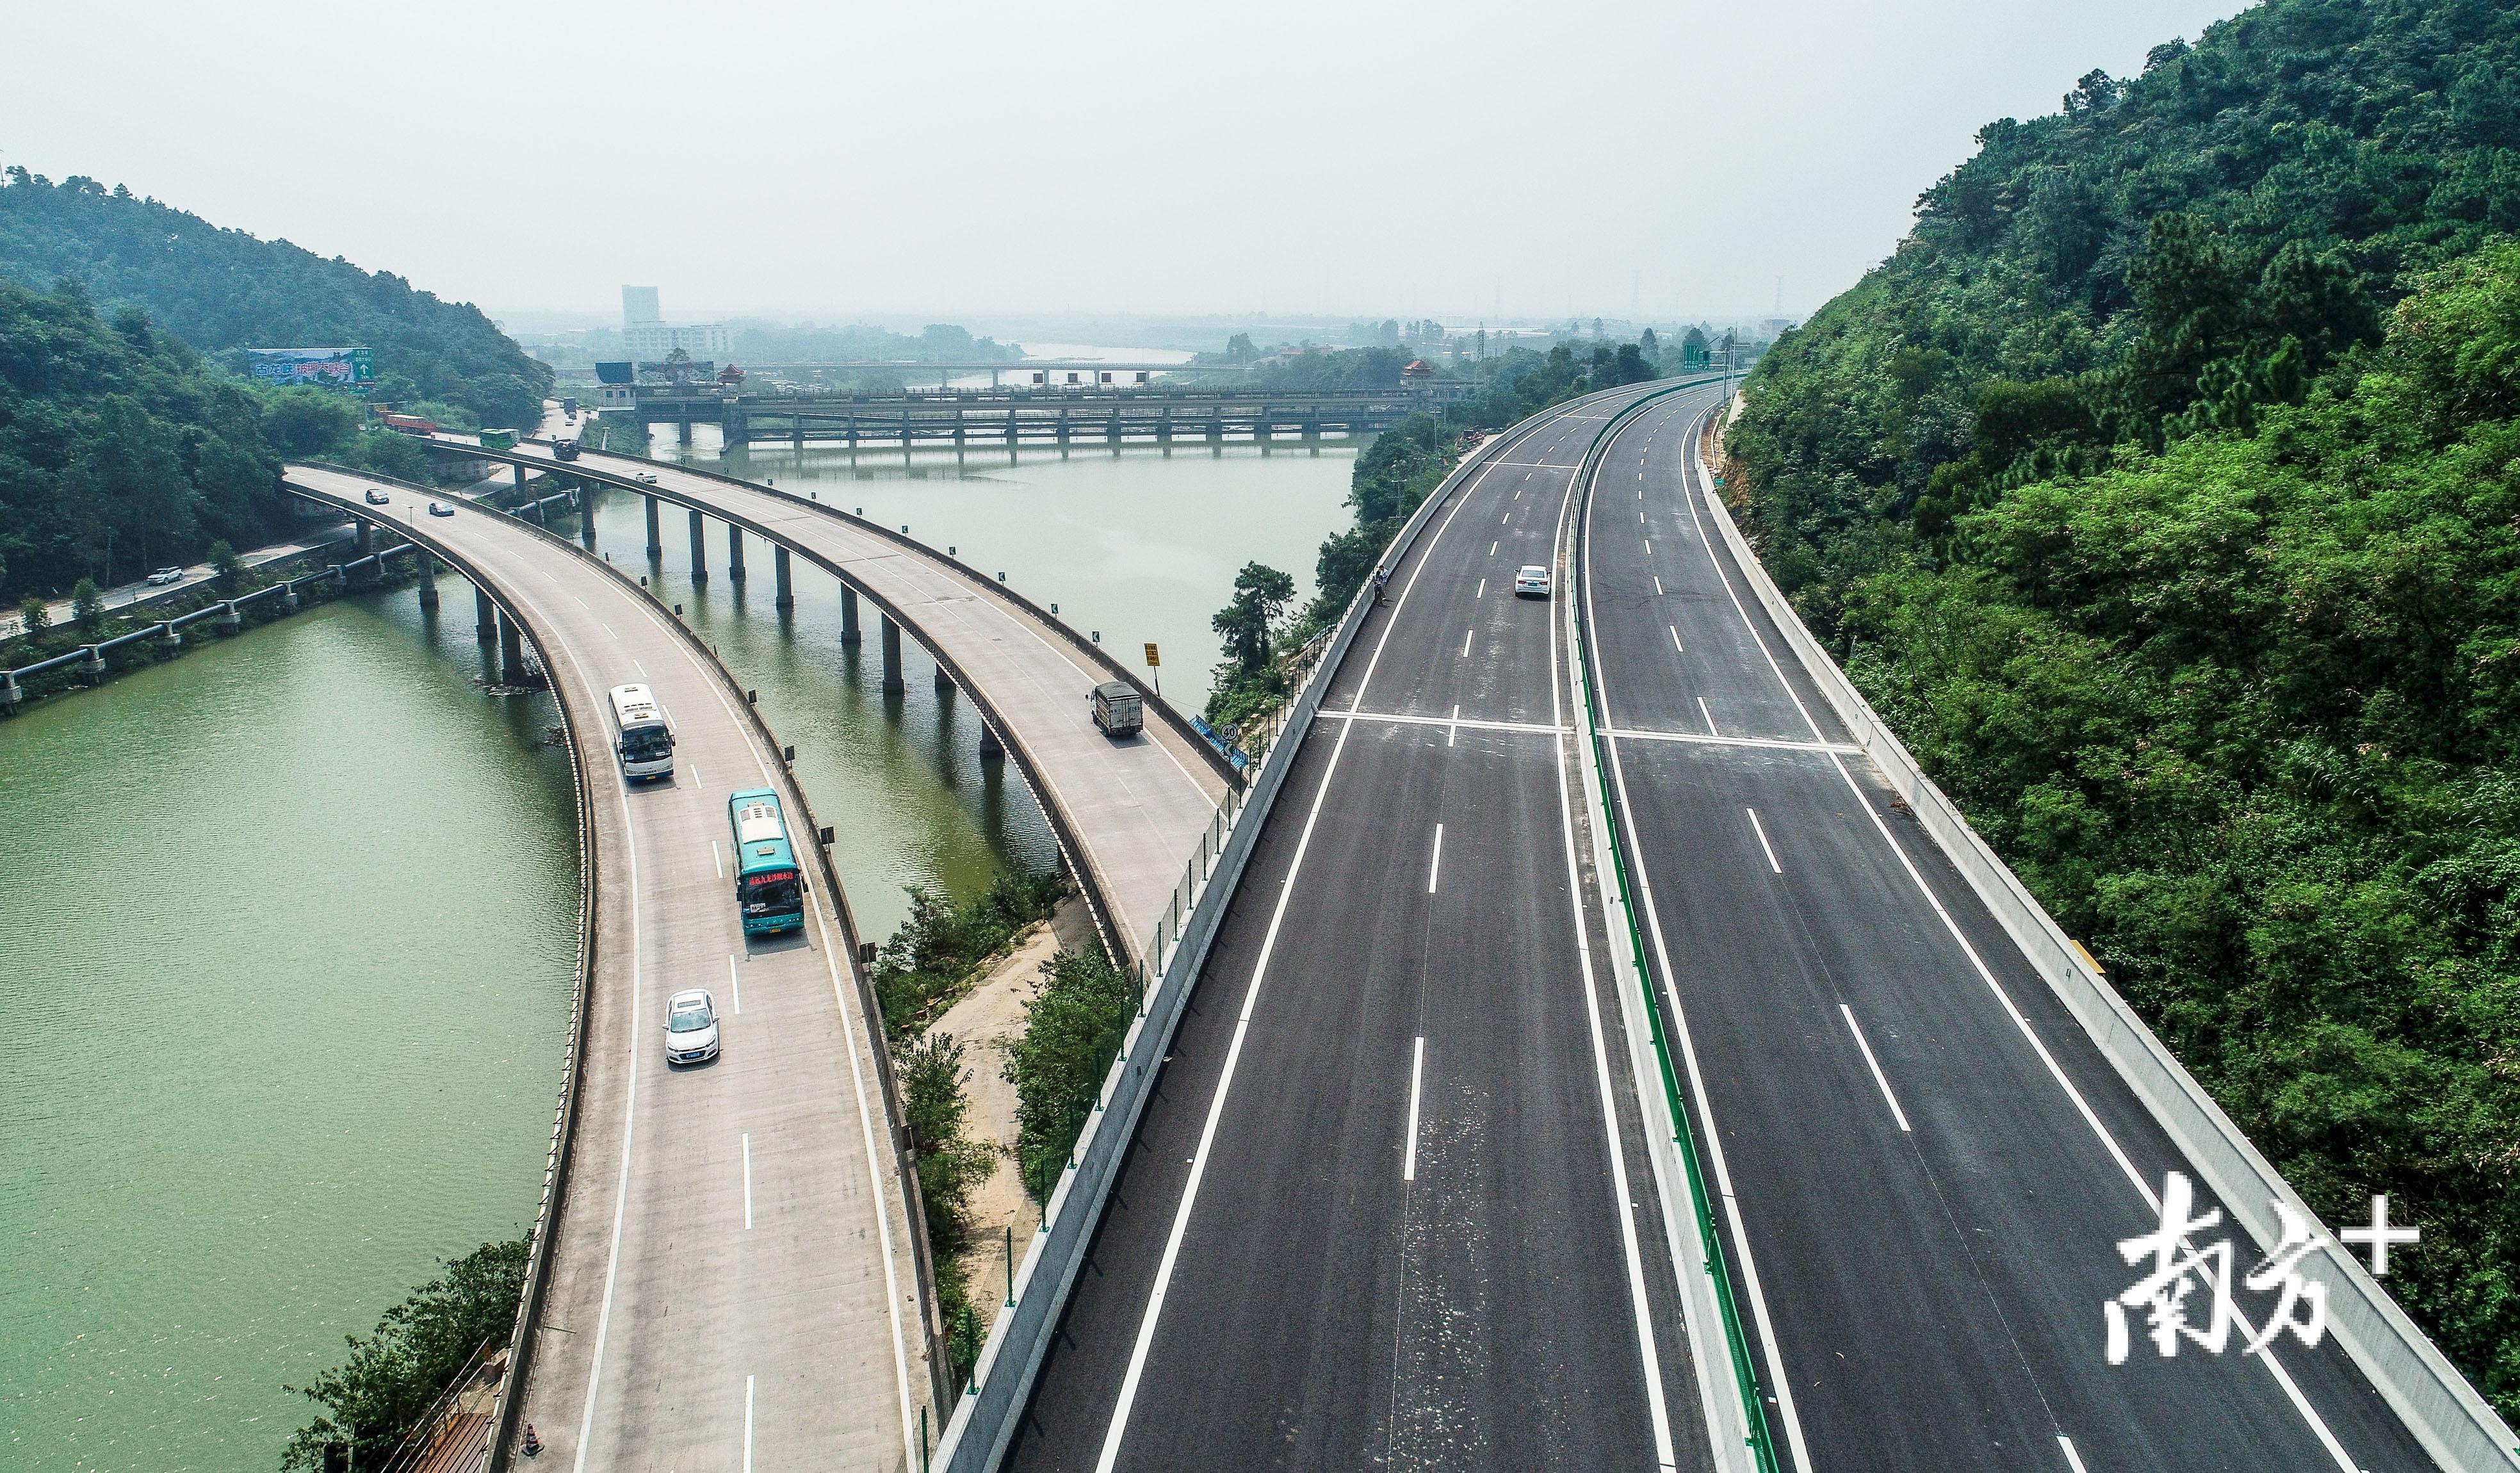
(2455,1424)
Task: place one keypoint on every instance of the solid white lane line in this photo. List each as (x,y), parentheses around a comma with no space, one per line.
(1658,586)
(1466,642)
(2117,1154)
(1773,866)
(717,859)
(1130,1379)
(1456,719)
(748,1417)
(1675,641)
(1416,1071)
(2073,1459)
(1435,864)
(748,1180)
(1874,1064)
(1710,717)
(736,983)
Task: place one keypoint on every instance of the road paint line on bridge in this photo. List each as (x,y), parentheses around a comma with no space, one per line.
(1417,1072)
(2073,1459)
(609,629)
(1763,841)
(1641,518)
(732,981)
(1466,635)
(719,861)
(1700,738)
(1137,1369)
(1657,578)
(1874,1065)
(1456,719)
(1710,717)
(1674,639)
(2283,1378)
(582,604)
(1506,518)
(1455,729)
(748,1218)
(1493,546)
(1483,590)
(1648,547)
(1435,864)
(702,782)
(747,1381)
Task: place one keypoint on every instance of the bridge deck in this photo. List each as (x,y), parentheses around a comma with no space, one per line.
(1131,812)
(733,1279)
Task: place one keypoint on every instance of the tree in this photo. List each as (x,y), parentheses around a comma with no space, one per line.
(34,616)
(1239,348)
(87,609)
(1260,596)
(225,565)
(304,424)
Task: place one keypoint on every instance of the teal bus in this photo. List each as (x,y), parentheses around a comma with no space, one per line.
(769,889)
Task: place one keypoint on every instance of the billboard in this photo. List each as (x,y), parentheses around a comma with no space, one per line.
(614,373)
(329,368)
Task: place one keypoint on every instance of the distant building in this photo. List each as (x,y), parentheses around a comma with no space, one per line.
(649,338)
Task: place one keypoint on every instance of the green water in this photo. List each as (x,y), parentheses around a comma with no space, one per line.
(289,937)
(288,925)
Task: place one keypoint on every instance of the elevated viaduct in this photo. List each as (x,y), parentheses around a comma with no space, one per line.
(1019,418)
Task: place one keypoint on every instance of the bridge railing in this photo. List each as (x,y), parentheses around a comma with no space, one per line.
(984,1421)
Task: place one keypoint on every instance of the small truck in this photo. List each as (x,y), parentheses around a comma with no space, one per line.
(1118,709)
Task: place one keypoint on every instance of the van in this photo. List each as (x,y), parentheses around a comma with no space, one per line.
(1118,709)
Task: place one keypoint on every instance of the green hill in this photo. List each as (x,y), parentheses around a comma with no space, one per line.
(2163,491)
(223,289)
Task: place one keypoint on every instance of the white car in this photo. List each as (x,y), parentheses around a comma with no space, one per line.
(647,477)
(1531,582)
(691,1027)
(164,576)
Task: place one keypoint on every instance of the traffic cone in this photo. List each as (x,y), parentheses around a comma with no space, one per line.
(533,1444)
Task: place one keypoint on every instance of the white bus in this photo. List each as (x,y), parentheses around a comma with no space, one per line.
(643,735)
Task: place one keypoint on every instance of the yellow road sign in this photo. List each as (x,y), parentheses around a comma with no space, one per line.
(1152,661)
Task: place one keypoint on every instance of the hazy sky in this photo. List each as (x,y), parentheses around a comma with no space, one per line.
(1461,161)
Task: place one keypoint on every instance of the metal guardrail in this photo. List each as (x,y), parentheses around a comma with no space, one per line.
(2453,1421)
(984,1421)
(1717,1264)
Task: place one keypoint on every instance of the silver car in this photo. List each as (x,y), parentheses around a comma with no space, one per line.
(691,1027)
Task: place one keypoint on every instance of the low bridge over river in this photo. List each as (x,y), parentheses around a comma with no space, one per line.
(1056,417)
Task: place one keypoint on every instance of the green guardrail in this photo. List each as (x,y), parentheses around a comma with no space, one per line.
(1745,1375)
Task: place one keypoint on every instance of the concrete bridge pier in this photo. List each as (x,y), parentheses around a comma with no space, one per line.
(485,616)
(797,432)
(519,468)
(656,538)
(511,652)
(11,697)
(684,428)
(848,615)
(231,621)
(735,551)
(944,682)
(786,598)
(583,498)
(991,749)
(428,567)
(893,683)
(699,550)
(364,532)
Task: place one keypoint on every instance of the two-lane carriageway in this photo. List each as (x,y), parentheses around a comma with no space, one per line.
(1925,1164)
(734,1283)
(1390,1205)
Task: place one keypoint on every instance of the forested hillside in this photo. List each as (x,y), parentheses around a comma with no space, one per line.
(224,289)
(2163,491)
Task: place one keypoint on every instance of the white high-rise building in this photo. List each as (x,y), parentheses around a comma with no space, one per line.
(639,307)
(649,338)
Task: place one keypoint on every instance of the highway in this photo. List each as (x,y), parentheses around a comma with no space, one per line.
(1390,1205)
(1927,1165)
(1131,811)
(734,1283)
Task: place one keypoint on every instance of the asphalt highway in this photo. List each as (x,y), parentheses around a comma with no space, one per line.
(1137,807)
(1927,1165)
(734,1285)
(1390,1205)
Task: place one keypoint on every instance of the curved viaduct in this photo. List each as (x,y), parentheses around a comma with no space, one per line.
(1129,815)
(729,1270)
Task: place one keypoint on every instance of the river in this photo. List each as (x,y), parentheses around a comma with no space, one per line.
(289,922)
